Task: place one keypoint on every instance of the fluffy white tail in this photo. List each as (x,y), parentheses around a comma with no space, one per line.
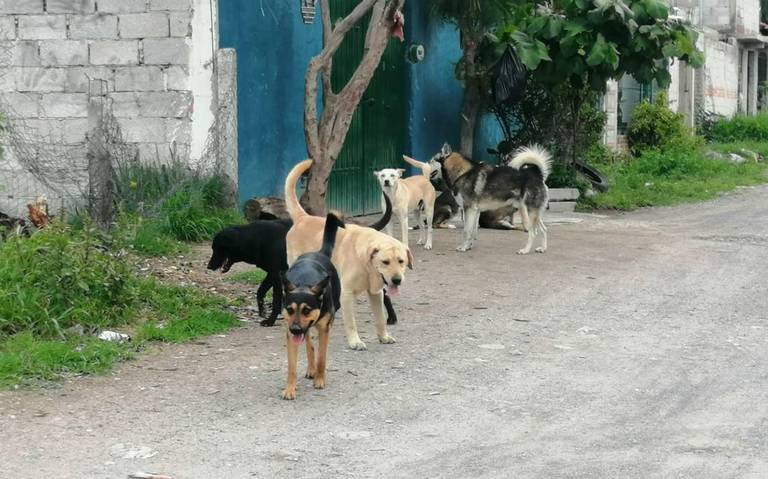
(532,155)
(426,170)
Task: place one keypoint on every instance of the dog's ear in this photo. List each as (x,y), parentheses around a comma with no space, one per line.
(410,257)
(319,288)
(372,252)
(287,285)
(376,173)
(446,149)
(400,172)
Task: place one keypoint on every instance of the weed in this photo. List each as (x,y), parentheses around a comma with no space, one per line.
(253,277)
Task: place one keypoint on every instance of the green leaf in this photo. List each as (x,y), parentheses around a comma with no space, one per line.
(598,51)
(554,27)
(656,9)
(663,78)
(537,23)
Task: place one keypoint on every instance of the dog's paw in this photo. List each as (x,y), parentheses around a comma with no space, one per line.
(319,383)
(267,322)
(420,241)
(357,345)
(541,249)
(428,246)
(451,227)
(289,394)
(387,339)
(464,247)
(309,374)
(523,251)
(392,320)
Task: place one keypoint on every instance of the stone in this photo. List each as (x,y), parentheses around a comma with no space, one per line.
(21,53)
(166,51)
(563,194)
(64,52)
(181,24)
(114,52)
(42,27)
(9,7)
(122,6)
(124,104)
(144,25)
(170,5)
(143,130)
(64,105)
(40,79)
(21,105)
(139,78)
(93,27)
(7,28)
(70,6)
(166,104)
(562,206)
(177,78)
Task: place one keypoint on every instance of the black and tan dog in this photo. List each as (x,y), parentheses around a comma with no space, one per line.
(312,296)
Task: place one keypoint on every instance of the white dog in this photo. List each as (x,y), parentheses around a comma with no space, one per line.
(408,194)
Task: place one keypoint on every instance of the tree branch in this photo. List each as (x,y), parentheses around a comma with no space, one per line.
(325,11)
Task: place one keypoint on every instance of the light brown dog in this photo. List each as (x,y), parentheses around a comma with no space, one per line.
(409,194)
(367,260)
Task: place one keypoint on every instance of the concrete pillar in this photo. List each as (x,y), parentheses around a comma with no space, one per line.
(752,90)
(743,80)
(226,119)
(610,105)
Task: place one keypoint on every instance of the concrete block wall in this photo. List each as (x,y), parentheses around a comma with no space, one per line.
(720,76)
(49,49)
(734,17)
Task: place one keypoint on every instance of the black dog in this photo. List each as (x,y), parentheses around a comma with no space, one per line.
(262,244)
(312,296)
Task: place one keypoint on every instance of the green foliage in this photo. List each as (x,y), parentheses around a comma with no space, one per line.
(253,277)
(654,125)
(672,176)
(741,128)
(59,278)
(26,359)
(589,42)
(196,212)
(147,237)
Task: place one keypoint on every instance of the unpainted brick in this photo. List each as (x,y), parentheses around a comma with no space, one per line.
(9,7)
(165,104)
(166,51)
(140,78)
(177,78)
(181,24)
(124,104)
(78,78)
(114,52)
(178,131)
(57,131)
(70,6)
(64,52)
(144,25)
(170,5)
(143,130)
(7,28)
(93,27)
(40,79)
(42,27)
(21,105)
(64,105)
(122,6)
(20,53)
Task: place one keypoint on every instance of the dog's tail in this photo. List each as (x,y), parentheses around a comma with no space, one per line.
(426,170)
(379,225)
(332,224)
(291,200)
(533,155)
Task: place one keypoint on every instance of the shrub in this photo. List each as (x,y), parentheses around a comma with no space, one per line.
(654,125)
(741,128)
(58,278)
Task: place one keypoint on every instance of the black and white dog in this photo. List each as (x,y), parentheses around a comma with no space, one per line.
(484,187)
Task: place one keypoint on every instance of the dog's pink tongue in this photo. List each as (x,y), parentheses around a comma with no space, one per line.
(297,339)
(393,290)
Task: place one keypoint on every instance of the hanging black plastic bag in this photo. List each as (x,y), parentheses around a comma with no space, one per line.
(509,77)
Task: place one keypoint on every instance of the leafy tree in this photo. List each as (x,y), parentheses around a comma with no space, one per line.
(474,19)
(585,43)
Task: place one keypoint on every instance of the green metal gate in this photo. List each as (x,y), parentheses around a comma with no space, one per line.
(377,132)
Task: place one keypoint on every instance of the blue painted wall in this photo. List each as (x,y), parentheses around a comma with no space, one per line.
(273,47)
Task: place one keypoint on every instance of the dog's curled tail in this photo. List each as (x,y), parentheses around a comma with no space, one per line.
(332,224)
(426,170)
(533,155)
(291,200)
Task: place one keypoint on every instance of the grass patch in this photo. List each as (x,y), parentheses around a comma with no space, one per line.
(759,147)
(151,239)
(253,277)
(670,177)
(63,282)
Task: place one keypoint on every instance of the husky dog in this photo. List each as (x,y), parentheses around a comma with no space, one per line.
(484,188)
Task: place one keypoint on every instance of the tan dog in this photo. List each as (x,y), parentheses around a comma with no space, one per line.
(367,260)
(409,194)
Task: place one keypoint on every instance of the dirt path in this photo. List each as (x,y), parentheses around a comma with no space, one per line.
(635,348)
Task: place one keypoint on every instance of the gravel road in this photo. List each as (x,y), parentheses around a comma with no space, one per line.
(635,348)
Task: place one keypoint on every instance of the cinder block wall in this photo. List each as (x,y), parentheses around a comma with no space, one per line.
(140,47)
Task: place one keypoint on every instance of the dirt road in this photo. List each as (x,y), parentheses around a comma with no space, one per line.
(637,347)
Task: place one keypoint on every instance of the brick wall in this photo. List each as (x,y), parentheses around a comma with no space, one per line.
(140,47)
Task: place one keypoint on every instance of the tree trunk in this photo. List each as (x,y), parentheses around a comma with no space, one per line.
(471,106)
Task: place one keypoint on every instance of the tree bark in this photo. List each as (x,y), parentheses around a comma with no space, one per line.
(472,98)
(325,136)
